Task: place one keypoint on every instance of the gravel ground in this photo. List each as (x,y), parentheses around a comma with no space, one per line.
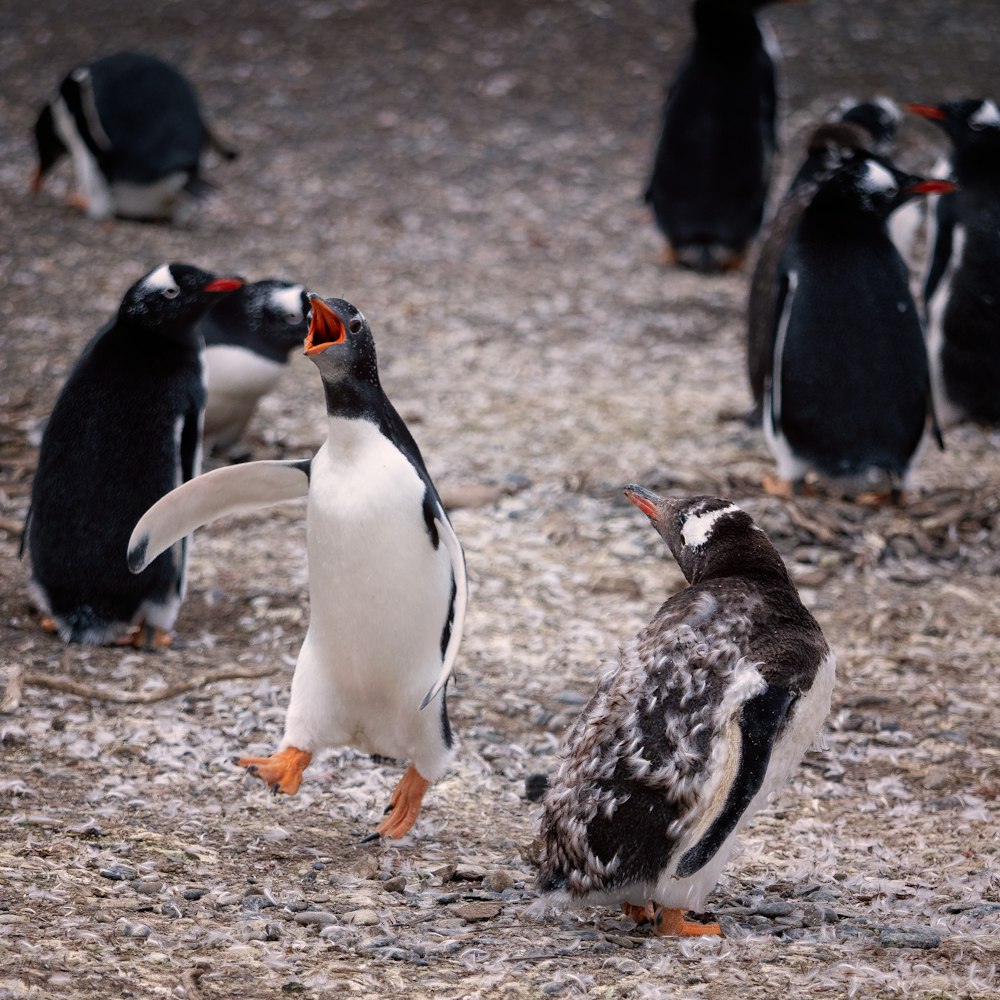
(468,175)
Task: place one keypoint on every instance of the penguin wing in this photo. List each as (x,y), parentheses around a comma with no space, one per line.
(235,489)
(942,219)
(460,597)
(190,462)
(784,297)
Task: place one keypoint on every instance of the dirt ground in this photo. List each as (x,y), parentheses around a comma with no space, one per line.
(469,176)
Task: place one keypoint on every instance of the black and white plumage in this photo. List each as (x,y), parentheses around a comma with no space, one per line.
(387,579)
(847,394)
(712,167)
(248,336)
(124,431)
(707,711)
(961,290)
(136,136)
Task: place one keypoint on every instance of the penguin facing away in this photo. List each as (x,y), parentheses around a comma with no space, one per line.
(248,336)
(707,712)
(848,392)
(961,295)
(132,125)
(387,578)
(125,430)
(712,166)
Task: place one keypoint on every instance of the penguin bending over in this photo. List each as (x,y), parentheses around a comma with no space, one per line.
(707,712)
(387,581)
(248,336)
(134,130)
(125,430)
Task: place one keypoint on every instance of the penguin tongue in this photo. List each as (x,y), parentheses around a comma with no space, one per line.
(325,328)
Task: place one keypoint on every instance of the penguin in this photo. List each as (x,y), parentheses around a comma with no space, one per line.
(961,298)
(387,578)
(248,336)
(136,136)
(707,711)
(847,394)
(712,166)
(125,430)
(859,128)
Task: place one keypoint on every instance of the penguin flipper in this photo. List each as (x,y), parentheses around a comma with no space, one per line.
(460,599)
(235,489)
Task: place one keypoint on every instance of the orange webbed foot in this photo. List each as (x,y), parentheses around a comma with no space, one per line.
(890,498)
(281,772)
(672,922)
(404,806)
(48,625)
(640,914)
(146,637)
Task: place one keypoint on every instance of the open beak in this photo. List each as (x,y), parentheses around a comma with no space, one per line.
(933,187)
(325,327)
(223,285)
(645,500)
(926,111)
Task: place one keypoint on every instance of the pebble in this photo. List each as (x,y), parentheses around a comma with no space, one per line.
(469,873)
(498,881)
(228,898)
(362,918)
(477,911)
(256,902)
(150,888)
(395,884)
(318,917)
(911,937)
(774,908)
(134,930)
(535,786)
(193,892)
(119,872)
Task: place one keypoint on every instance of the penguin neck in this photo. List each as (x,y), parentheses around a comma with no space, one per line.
(356,399)
(832,218)
(726,26)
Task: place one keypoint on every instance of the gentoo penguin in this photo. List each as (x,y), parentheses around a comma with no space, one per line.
(961,295)
(707,711)
(387,582)
(859,129)
(124,431)
(713,160)
(248,335)
(848,390)
(133,128)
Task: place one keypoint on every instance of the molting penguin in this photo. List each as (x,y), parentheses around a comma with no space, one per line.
(387,580)
(848,390)
(961,292)
(860,129)
(713,160)
(133,128)
(124,431)
(707,711)
(248,335)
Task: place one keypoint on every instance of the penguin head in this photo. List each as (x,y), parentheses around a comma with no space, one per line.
(340,341)
(50,147)
(708,536)
(972,125)
(879,119)
(270,314)
(170,299)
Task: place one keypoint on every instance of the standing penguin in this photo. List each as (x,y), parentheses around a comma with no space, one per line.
(124,431)
(248,335)
(713,162)
(387,583)
(962,292)
(848,390)
(136,135)
(707,711)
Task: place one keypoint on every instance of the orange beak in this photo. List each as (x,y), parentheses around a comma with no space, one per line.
(934,187)
(641,498)
(325,327)
(223,285)
(925,111)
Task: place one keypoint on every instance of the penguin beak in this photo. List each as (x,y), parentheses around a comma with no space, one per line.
(325,327)
(223,285)
(645,500)
(926,111)
(933,187)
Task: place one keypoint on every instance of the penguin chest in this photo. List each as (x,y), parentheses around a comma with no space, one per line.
(380,589)
(237,378)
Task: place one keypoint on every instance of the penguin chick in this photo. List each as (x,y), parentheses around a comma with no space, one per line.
(707,711)
(248,336)
(136,136)
(712,166)
(961,297)
(125,429)
(848,390)
(387,581)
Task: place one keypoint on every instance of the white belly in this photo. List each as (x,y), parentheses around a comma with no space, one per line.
(379,595)
(237,378)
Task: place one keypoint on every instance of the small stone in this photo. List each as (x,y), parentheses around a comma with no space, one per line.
(119,872)
(498,881)
(228,898)
(475,912)
(914,937)
(134,930)
(446,897)
(395,884)
(535,786)
(256,902)
(194,892)
(469,873)
(775,908)
(150,888)
(318,917)
(362,918)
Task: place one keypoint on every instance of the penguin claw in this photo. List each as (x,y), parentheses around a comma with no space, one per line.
(371,836)
(281,772)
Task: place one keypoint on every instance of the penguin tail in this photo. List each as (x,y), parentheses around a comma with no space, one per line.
(84,625)
(198,187)
(708,258)
(224,150)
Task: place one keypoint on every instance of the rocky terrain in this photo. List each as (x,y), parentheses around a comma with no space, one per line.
(469,175)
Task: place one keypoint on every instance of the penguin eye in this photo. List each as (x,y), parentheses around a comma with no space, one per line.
(172,292)
(354,326)
(293,318)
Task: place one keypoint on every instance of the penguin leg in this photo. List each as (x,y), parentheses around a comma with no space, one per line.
(145,636)
(667,256)
(281,771)
(48,625)
(890,498)
(640,914)
(672,922)
(76,200)
(404,806)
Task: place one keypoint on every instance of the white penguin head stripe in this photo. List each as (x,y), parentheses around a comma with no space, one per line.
(877,179)
(698,528)
(987,115)
(288,301)
(889,108)
(161,280)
